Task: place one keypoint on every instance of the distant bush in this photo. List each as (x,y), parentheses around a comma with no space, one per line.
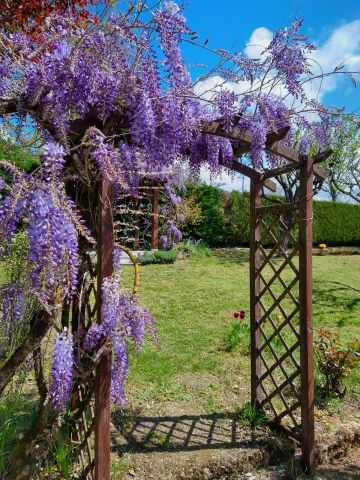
(210,226)
(157,256)
(336,223)
(194,248)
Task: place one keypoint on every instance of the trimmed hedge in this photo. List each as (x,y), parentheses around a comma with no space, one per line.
(225,219)
(336,223)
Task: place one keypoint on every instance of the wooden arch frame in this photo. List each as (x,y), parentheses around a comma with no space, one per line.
(308,167)
(104,191)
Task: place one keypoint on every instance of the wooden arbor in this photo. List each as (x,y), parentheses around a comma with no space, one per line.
(282,348)
(282,372)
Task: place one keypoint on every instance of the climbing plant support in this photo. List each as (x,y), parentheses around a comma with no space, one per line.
(282,378)
(281,348)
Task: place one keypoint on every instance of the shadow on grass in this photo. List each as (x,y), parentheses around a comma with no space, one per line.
(193,432)
(231,255)
(329,293)
(347,472)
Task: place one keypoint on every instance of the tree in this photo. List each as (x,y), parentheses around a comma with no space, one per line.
(344,166)
(31,16)
(18,155)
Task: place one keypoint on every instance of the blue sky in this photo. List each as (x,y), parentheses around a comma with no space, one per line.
(333,25)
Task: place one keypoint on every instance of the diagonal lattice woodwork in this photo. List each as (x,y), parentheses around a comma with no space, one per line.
(83,408)
(278,352)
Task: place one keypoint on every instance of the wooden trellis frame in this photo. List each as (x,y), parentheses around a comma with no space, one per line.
(263,370)
(99,468)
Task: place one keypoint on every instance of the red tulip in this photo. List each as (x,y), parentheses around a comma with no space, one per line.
(236,314)
(242,314)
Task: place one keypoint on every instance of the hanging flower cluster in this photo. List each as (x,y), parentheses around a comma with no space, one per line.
(62,370)
(38,203)
(124,321)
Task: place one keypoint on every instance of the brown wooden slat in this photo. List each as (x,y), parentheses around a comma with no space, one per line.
(279,247)
(277,271)
(244,136)
(103,369)
(275,248)
(306,328)
(284,384)
(279,207)
(282,325)
(255,201)
(278,363)
(279,391)
(277,304)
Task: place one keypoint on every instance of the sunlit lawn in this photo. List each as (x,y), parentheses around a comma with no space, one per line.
(193,302)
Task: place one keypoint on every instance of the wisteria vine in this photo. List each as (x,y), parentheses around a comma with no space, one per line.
(117,99)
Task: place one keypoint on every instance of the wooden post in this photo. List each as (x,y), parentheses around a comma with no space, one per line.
(136,206)
(255,201)
(103,370)
(155,219)
(306,327)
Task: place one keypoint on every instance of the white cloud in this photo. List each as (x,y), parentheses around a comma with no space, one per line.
(259,40)
(206,89)
(226,181)
(342,46)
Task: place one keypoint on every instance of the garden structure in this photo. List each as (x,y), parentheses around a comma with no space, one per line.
(296,363)
(149,192)
(97,97)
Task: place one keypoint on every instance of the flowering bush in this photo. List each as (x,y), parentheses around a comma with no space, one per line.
(335,361)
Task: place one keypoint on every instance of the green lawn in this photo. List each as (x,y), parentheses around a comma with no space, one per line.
(193,302)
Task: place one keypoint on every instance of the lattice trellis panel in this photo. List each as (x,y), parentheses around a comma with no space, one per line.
(84,315)
(278,327)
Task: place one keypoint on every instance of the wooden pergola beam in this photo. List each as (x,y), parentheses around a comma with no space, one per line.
(272,146)
(252,174)
(289,167)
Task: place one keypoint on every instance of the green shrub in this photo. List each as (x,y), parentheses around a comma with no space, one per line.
(210,227)
(225,219)
(194,248)
(157,256)
(336,223)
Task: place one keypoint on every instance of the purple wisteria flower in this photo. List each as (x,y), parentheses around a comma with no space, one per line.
(226,101)
(119,370)
(124,320)
(173,231)
(53,154)
(164,241)
(62,370)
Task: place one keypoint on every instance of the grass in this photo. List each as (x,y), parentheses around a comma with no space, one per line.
(16,413)
(195,371)
(193,302)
